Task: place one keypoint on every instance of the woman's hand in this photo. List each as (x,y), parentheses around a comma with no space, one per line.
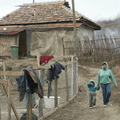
(98,86)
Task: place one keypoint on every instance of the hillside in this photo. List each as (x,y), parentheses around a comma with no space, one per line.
(109,27)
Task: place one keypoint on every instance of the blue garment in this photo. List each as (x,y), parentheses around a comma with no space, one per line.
(58,69)
(92,88)
(106,92)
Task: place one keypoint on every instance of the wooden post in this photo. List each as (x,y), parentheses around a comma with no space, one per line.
(71,76)
(76,76)
(12,105)
(4,69)
(29,109)
(63,47)
(74,19)
(41,75)
(93,48)
(67,88)
(41,100)
(0,110)
(9,101)
(56,92)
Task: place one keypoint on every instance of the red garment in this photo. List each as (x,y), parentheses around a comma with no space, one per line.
(45,59)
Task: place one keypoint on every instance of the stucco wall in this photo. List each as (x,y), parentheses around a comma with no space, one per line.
(5,43)
(85,33)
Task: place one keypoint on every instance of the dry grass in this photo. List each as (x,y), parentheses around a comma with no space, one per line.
(116,71)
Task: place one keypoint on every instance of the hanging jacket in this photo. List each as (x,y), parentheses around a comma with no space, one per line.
(53,72)
(33,84)
(21,83)
(105,76)
(58,69)
(29,81)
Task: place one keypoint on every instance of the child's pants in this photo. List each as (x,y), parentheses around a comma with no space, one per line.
(92,98)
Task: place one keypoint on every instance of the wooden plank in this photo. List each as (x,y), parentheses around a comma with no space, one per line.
(4,82)
(11,73)
(47,67)
(67,56)
(9,101)
(29,108)
(4,69)
(19,61)
(41,67)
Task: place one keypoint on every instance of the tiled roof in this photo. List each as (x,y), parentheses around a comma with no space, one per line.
(40,13)
(16,29)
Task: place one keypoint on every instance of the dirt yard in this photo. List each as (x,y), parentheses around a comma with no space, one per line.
(79,109)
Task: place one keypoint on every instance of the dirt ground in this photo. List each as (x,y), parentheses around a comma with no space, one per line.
(79,109)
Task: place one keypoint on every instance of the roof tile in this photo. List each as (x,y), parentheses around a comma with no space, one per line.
(40,13)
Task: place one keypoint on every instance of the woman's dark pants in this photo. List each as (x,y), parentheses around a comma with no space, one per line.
(106,92)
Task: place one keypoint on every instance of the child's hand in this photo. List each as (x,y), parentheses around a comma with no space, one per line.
(91,84)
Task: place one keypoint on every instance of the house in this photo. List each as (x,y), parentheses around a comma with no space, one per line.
(41,28)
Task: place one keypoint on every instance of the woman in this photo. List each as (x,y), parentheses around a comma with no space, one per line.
(105,76)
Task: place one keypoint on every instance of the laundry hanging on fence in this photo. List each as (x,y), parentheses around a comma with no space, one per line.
(45,59)
(29,82)
(54,71)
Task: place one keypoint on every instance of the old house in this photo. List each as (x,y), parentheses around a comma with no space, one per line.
(41,28)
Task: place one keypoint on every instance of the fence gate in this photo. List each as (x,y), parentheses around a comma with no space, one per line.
(6,105)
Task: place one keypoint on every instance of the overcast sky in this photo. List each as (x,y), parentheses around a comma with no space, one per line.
(93,9)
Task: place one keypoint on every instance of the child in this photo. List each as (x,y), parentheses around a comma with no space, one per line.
(92,94)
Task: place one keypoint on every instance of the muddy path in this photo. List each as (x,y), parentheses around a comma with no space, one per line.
(79,109)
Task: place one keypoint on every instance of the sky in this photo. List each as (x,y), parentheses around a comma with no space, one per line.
(93,9)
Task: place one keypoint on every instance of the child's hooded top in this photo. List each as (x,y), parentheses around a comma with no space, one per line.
(92,88)
(105,76)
